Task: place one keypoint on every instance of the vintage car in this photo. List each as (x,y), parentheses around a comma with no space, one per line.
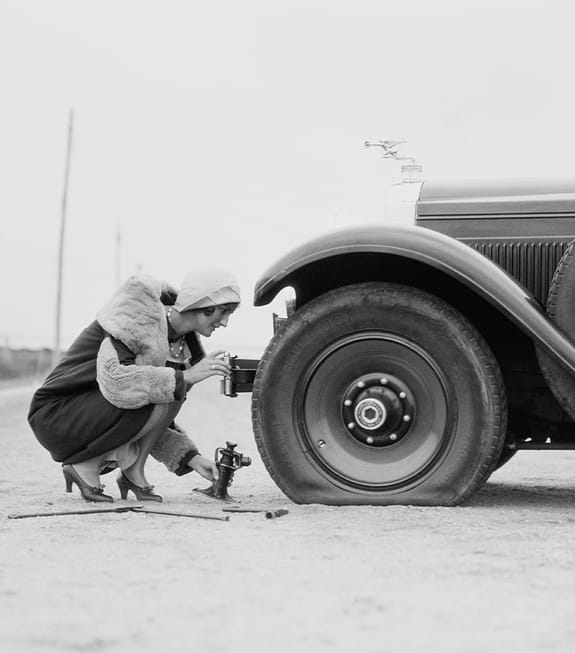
(415,361)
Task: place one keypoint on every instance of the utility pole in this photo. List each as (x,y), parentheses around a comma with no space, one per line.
(56,352)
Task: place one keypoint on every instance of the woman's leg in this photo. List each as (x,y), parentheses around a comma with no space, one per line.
(89,470)
(162,416)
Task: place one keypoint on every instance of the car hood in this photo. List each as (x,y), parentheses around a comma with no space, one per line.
(496,197)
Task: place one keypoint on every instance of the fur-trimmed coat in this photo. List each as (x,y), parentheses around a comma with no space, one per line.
(104,389)
(135,316)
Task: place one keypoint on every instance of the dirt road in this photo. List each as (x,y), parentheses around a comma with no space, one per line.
(496,575)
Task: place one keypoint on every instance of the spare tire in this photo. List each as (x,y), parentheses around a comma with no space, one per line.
(561,310)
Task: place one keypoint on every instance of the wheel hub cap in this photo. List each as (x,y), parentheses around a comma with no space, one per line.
(377,409)
(370,413)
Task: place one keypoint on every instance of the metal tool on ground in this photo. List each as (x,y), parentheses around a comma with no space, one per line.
(74,512)
(228,461)
(270,514)
(273,514)
(143,509)
(120,509)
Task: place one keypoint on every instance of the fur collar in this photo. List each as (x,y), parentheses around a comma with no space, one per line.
(135,315)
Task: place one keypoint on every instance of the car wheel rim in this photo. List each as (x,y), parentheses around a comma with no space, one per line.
(378,409)
(375,411)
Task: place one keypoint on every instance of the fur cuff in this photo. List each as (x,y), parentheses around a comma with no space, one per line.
(173,447)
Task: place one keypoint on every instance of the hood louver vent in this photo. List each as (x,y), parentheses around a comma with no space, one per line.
(532,263)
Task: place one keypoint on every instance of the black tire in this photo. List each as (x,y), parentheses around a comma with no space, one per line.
(561,309)
(506,455)
(443,422)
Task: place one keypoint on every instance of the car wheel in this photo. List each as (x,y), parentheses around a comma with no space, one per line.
(379,394)
(506,455)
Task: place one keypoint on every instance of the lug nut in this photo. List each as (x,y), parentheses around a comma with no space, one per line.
(402,395)
(383,381)
(351,425)
(406,418)
(393,437)
(347,402)
(370,440)
(361,384)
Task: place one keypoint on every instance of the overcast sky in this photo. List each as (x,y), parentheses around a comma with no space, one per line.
(230,131)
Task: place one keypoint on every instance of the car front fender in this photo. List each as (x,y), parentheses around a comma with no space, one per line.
(433,250)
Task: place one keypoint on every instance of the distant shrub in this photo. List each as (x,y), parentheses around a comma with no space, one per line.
(18,363)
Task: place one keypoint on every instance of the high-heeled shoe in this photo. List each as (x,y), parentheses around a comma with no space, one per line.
(88,493)
(145,493)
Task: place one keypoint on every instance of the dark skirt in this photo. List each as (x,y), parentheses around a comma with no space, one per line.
(79,427)
(69,415)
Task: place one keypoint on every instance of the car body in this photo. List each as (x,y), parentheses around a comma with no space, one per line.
(416,360)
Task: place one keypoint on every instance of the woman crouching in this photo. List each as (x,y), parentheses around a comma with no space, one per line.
(112,399)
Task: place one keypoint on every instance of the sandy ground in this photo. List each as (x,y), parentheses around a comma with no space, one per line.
(495,575)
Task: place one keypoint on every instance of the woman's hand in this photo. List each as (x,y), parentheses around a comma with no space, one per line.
(205,467)
(212,365)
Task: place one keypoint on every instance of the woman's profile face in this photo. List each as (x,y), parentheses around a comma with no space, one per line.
(206,321)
